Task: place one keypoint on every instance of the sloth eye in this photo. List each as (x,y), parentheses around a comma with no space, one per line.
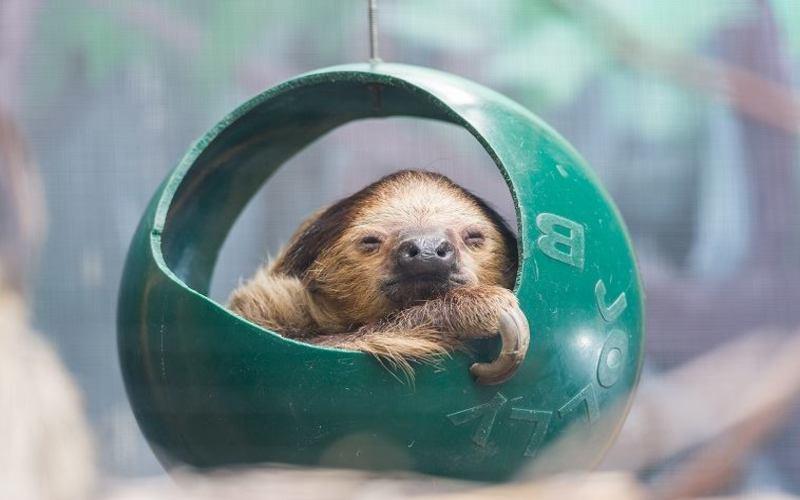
(370,243)
(474,237)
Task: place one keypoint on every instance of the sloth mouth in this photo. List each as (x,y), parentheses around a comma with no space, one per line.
(426,278)
(408,289)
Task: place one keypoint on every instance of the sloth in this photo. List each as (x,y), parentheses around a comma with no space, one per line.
(408,269)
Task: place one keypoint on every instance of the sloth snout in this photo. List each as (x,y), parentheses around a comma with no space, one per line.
(425,255)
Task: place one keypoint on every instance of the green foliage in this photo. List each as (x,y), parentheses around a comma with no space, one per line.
(674,24)
(99,38)
(574,50)
(464,25)
(551,62)
(650,107)
(545,52)
(788,14)
(76,37)
(232,28)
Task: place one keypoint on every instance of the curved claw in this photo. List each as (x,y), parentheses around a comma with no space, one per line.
(515,335)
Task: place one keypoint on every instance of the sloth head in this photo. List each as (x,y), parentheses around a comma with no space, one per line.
(407,238)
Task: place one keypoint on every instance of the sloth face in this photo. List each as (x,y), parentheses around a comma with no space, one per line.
(410,238)
(424,242)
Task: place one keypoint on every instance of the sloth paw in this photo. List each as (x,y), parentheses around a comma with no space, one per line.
(515,337)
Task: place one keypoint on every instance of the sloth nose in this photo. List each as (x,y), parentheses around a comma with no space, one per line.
(425,255)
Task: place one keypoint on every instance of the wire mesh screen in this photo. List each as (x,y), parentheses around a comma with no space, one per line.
(689,112)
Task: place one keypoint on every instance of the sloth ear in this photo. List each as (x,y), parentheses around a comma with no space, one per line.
(320,232)
(308,244)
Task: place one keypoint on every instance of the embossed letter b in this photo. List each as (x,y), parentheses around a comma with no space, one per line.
(568,249)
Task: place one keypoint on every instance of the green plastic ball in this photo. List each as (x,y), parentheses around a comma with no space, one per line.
(211,389)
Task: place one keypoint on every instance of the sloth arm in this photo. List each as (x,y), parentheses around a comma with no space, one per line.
(274,301)
(433,328)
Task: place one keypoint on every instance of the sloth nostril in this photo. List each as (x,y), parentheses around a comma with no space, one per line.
(444,250)
(412,251)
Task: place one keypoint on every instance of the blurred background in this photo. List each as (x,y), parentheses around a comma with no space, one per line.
(689,111)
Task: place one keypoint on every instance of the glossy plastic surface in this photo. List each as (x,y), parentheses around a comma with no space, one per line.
(209,388)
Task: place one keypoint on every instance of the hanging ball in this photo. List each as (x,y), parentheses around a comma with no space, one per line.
(211,389)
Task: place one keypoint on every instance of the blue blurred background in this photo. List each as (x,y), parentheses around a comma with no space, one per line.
(688,110)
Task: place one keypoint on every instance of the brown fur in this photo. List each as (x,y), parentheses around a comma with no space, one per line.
(325,289)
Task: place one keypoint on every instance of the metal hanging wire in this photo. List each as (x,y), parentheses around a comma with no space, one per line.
(372,11)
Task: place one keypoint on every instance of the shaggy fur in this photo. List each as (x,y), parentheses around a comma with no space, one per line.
(328,285)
